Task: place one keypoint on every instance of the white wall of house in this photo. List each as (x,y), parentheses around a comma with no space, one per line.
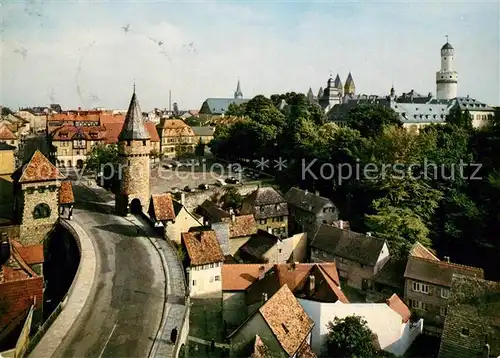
(183,222)
(393,335)
(205,279)
(383,257)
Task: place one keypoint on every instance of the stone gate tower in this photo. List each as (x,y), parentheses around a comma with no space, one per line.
(134,150)
(447,77)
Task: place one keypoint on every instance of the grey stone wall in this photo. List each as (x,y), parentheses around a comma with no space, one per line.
(135,173)
(33,231)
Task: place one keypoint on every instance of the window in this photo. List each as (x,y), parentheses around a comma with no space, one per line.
(41,190)
(418,305)
(445,293)
(211,265)
(420,287)
(324,221)
(464,332)
(41,211)
(217,278)
(443,311)
(279,251)
(262,221)
(194,282)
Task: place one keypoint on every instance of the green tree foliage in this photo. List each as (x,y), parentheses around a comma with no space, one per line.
(231,198)
(155,154)
(101,155)
(237,110)
(350,337)
(370,119)
(199,150)
(421,191)
(458,118)
(193,121)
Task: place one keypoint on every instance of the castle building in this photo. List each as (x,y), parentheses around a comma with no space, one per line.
(446,77)
(133,150)
(334,93)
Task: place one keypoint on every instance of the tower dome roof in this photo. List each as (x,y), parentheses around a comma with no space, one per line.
(447,46)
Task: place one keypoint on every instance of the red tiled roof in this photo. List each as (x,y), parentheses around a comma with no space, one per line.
(399,306)
(163,207)
(84,116)
(6,133)
(39,168)
(287,320)
(202,247)
(18,296)
(243,225)
(296,277)
(419,250)
(115,127)
(32,254)
(66,193)
(238,277)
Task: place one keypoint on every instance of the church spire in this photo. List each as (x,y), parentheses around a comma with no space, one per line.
(238,93)
(133,127)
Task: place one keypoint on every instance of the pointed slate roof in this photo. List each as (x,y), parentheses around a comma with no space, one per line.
(238,93)
(447,46)
(320,92)
(338,82)
(134,128)
(39,168)
(349,81)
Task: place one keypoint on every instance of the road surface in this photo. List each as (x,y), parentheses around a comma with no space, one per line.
(123,313)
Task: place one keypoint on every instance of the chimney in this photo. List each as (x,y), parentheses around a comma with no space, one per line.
(447,259)
(312,284)
(264,297)
(317,192)
(262,272)
(341,224)
(368,233)
(183,199)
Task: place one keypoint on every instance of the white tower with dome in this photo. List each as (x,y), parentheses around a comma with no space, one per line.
(447,77)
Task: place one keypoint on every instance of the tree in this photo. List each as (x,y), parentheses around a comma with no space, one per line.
(199,150)
(101,155)
(231,198)
(237,110)
(193,121)
(154,154)
(459,118)
(6,111)
(370,119)
(349,337)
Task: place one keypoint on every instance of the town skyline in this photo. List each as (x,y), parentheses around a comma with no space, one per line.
(89,55)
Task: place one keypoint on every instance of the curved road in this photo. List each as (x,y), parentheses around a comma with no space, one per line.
(124,311)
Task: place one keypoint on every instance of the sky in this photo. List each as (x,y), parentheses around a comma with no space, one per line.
(89,54)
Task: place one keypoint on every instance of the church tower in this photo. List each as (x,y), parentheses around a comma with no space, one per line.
(133,150)
(338,85)
(238,93)
(349,87)
(447,77)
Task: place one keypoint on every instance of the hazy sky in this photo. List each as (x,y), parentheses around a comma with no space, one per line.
(79,54)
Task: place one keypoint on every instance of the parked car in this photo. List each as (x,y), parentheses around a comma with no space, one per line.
(175,190)
(203,187)
(220,182)
(232,180)
(188,189)
(167,166)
